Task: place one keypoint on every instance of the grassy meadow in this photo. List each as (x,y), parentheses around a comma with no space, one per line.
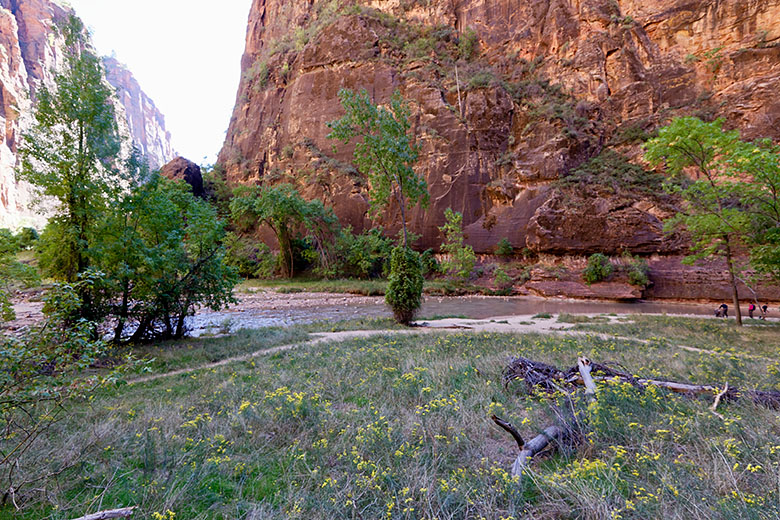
(398,427)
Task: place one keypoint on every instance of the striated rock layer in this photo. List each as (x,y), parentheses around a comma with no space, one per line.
(29,51)
(548,85)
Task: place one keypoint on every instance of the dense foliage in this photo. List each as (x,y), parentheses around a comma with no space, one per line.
(366,255)
(283,210)
(41,373)
(461,259)
(405,284)
(12,272)
(71,155)
(598,269)
(162,250)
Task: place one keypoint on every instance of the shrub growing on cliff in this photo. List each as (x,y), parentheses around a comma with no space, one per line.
(638,272)
(405,284)
(461,257)
(598,269)
(504,248)
(385,153)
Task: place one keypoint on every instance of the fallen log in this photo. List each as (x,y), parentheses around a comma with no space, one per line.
(548,378)
(124,512)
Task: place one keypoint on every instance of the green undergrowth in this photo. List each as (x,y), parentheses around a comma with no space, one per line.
(435,287)
(398,427)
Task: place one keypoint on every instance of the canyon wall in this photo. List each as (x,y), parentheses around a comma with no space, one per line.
(29,51)
(550,84)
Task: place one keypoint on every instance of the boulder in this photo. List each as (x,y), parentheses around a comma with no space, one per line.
(186,170)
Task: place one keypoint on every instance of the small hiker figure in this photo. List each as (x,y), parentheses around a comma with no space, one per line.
(751,308)
(764,310)
(723,311)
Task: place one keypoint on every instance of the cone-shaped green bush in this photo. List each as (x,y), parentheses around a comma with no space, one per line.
(404,291)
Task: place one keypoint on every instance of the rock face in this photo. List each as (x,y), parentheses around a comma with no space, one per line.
(145,122)
(29,51)
(579,75)
(507,97)
(183,169)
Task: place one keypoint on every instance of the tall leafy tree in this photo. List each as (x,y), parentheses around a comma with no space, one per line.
(70,154)
(385,152)
(282,209)
(757,166)
(163,250)
(715,213)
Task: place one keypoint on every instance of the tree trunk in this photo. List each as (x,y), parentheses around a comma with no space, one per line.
(285,249)
(733,280)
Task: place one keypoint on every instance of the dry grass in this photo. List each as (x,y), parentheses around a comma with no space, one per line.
(398,427)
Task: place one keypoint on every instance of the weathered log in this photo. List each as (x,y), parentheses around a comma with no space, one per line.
(534,447)
(125,512)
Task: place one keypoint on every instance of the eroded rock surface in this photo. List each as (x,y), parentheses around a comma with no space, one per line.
(552,83)
(29,51)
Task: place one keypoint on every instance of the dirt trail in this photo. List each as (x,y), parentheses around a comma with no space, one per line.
(508,324)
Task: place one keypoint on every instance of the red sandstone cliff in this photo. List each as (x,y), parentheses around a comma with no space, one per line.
(29,50)
(552,83)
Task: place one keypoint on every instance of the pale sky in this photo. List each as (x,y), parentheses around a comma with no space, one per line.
(186,55)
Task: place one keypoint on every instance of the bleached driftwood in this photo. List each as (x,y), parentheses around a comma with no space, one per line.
(124,512)
(585,367)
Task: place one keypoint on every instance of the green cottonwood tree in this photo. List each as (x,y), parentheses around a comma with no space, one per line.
(70,154)
(282,209)
(385,153)
(757,165)
(714,212)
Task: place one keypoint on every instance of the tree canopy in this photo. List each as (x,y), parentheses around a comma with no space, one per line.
(283,210)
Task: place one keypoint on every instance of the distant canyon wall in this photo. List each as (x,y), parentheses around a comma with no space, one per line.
(29,51)
(551,84)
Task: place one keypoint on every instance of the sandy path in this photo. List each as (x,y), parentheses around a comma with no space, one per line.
(507,324)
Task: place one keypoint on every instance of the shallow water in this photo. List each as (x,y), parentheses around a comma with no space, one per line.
(475,307)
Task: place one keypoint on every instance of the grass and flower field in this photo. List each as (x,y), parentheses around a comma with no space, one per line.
(398,427)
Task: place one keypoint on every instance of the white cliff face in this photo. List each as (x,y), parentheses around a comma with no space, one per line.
(29,51)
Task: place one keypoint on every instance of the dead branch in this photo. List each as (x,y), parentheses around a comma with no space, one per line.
(585,367)
(507,426)
(105,515)
(534,447)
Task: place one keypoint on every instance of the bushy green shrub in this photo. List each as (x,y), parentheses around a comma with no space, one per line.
(430,265)
(599,268)
(638,272)
(405,284)
(366,255)
(26,238)
(502,280)
(504,248)
(461,257)
(12,273)
(468,44)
